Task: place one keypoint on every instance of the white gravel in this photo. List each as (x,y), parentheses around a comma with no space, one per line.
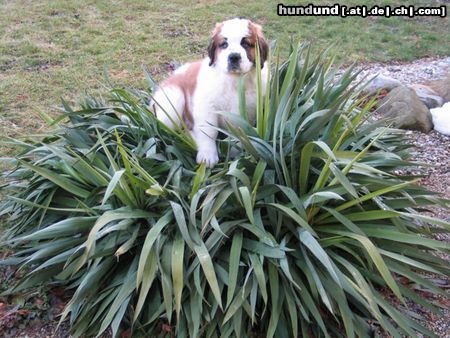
(418,71)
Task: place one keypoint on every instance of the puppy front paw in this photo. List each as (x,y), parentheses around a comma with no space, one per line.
(209,156)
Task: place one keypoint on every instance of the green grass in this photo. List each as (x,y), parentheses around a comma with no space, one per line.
(53,49)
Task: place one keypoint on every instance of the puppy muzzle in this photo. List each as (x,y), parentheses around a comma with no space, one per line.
(234,62)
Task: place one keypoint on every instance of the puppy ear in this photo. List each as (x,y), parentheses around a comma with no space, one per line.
(263,49)
(213,43)
(212,51)
(262,43)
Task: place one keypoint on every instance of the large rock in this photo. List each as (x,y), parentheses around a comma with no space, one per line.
(403,107)
(441,119)
(381,82)
(442,87)
(428,96)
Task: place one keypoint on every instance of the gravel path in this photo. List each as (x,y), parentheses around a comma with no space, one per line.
(432,149)
(418,71)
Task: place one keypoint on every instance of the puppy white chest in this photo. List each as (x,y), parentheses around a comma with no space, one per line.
(220,93)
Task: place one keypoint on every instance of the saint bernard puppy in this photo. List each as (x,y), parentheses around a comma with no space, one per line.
(196,92)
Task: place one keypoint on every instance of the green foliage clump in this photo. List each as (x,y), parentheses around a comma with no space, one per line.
(302,229)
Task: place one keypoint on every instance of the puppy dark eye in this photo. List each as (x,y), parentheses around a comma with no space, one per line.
(223,45)
(245,44)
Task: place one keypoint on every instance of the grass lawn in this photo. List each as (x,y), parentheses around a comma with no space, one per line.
(53,49)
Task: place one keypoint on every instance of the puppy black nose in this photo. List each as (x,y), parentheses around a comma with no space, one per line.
(234,57)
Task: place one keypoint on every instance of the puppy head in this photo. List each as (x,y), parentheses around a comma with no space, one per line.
(233,46)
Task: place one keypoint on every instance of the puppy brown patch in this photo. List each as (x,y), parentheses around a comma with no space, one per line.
(187,82)
(216,40)
(256,37)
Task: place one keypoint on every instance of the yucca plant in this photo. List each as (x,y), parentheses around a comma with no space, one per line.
(303,228)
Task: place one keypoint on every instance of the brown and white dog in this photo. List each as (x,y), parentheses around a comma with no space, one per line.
(196,92)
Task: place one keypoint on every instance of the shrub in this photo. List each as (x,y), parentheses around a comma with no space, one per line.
(303,228)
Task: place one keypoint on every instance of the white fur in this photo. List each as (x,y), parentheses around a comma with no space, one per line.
(216,92)
(441,119)
(170,103)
